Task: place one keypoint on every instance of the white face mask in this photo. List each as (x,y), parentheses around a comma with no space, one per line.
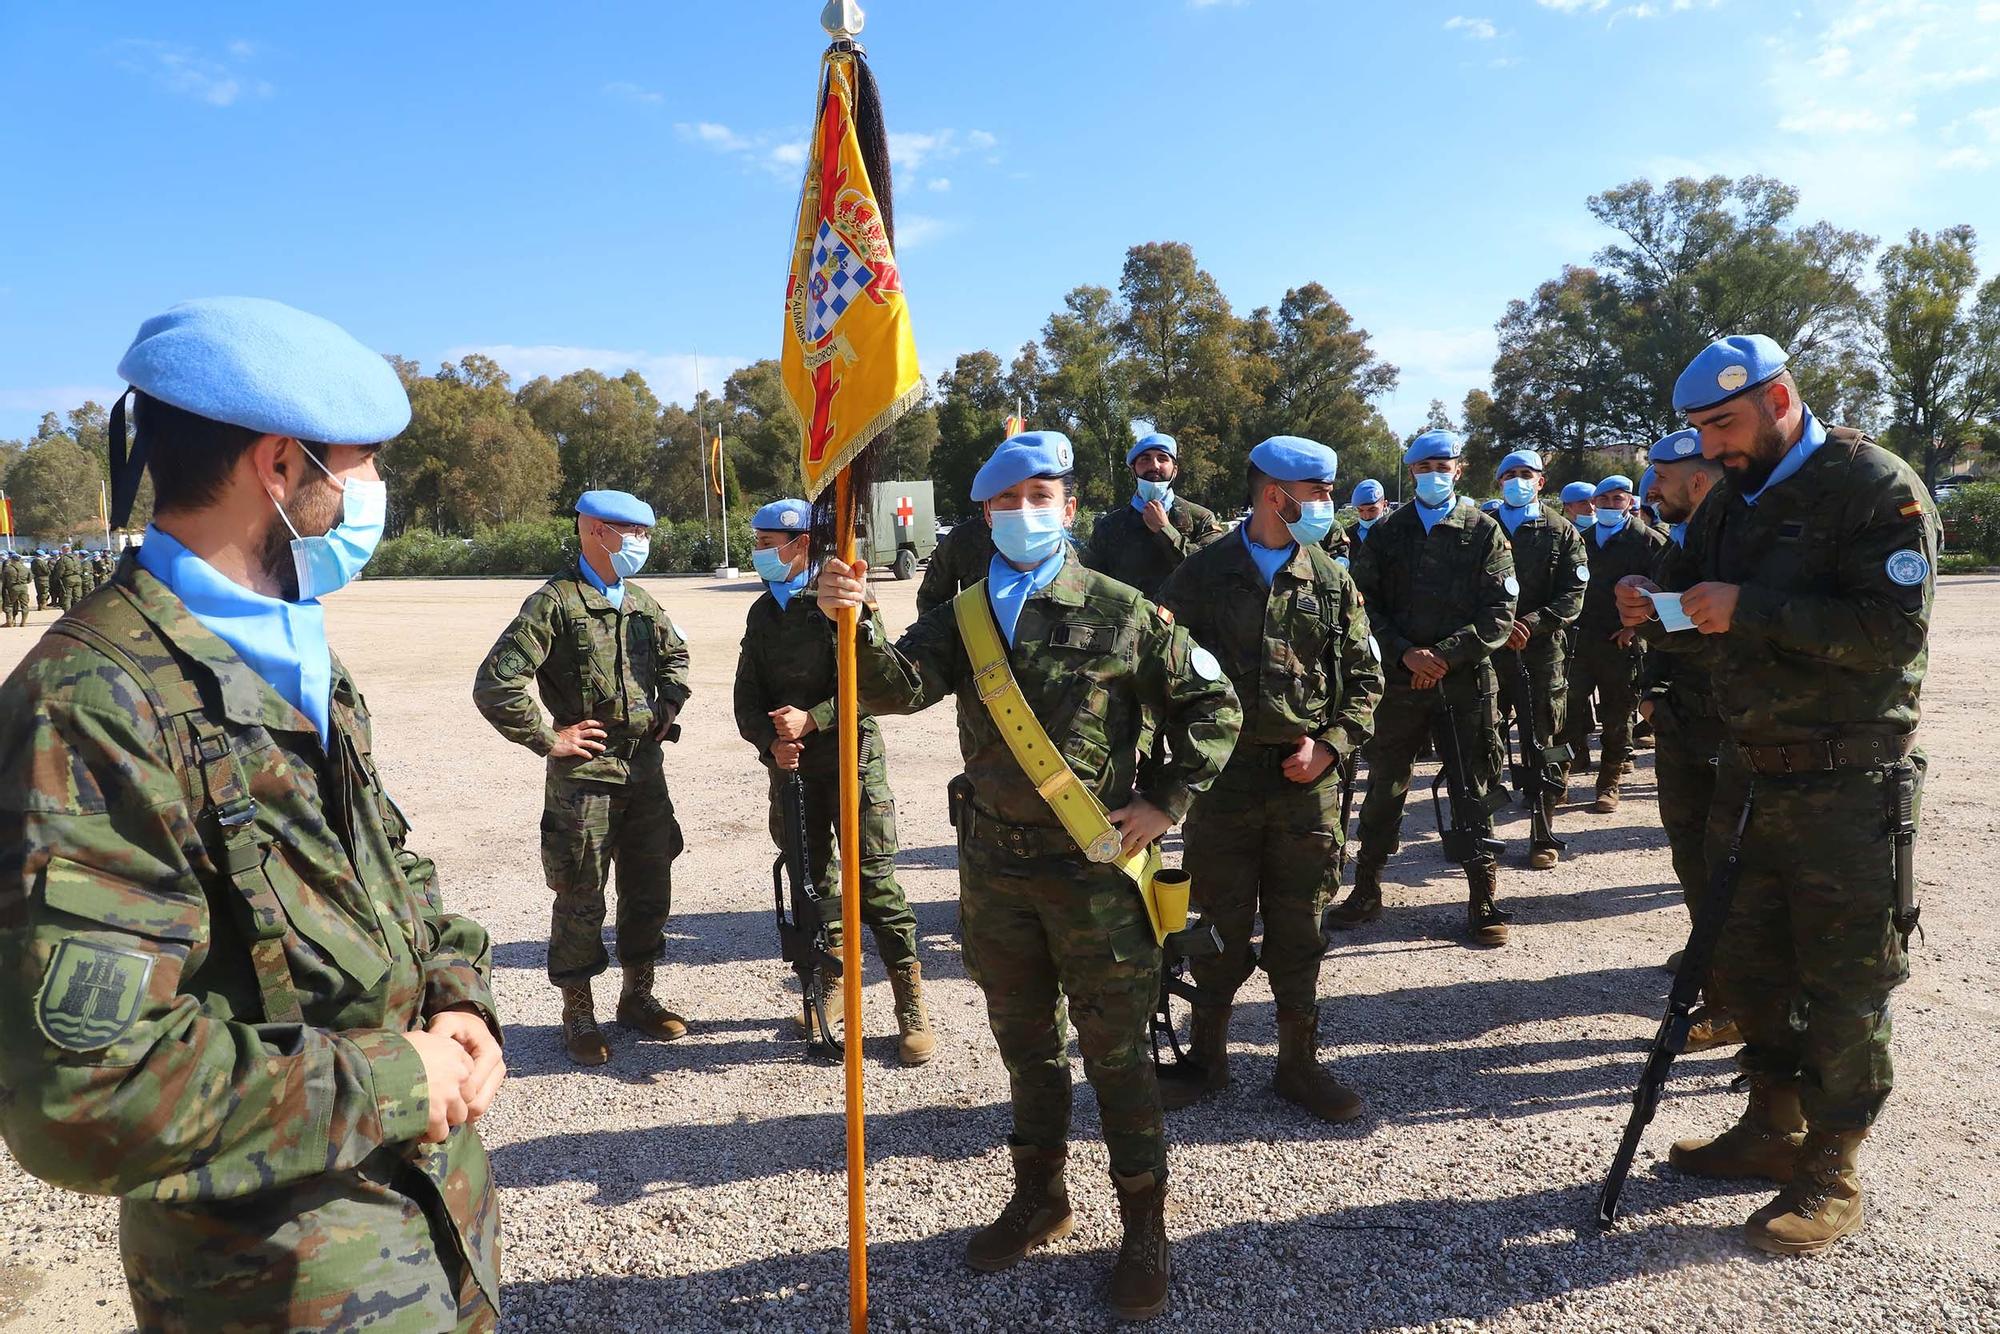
(330,561)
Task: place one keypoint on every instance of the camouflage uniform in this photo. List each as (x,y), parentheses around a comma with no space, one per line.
(1452,591)
(1551,567)
(787,658)
(1688,742)
(206,1018)
(75,583)
(959,561)
(1601,667)
(39,566)
(626,667)
(1825,655)
(1300,658)
(1041,922)
(1123,547)
(15,583)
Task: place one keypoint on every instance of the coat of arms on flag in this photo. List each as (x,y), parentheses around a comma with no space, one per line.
(850,361)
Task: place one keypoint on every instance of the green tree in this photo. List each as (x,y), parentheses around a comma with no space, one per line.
(605,430)
(472,456)
(1940,345)
(1179,336)
(973,402)
(54,487)
(1082,386)
(1561,384)
(1314,374)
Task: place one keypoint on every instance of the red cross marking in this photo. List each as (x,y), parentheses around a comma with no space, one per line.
(906,512)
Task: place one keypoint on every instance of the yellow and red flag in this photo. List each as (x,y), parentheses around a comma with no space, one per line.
(849,362)
(6,517)
(1014,426)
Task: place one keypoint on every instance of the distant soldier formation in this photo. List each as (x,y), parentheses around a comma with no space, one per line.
(251,1015)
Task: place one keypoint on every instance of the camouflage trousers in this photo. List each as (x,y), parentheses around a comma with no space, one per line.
(1612,674)
(41,594)
(1684,761)
(883,906)
(1041,927)
(1256,842)
(1403,719)
(1548,687)
(340,1251)
(1810,953)
(587,826)
(73,591)
(15,603)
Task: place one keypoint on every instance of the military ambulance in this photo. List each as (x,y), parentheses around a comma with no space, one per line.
(902,527)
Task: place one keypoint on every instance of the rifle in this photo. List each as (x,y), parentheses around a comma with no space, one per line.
(1671,1040)
(803,939)
(1465,840)
(1536,761)
(1350,773)
(1196,940)
(1903,835)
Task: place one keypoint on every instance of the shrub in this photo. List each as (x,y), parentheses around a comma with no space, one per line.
(1973,515)
(543,546)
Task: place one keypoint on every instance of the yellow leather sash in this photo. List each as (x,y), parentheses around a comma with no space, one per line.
(1082,815)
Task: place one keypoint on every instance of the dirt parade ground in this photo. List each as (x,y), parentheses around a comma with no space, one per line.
(698,1185)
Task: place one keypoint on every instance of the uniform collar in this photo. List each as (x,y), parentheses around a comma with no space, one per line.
(1511,518)
(1810,439)
(612,595)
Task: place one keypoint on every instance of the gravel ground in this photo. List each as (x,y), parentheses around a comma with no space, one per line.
(698,1185)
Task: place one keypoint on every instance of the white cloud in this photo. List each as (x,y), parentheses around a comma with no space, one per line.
(919,229)
(1574,6)
(1480,30)
(632,92)
(1967,158)
(781,158)
(216,80)
(938,184)
(982,139)
(670,375)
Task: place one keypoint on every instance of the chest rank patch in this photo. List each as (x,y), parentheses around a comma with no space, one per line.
(1308,604)
(1907,568)
(91,994)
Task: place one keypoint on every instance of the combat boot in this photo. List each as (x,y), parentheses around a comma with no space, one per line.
(913,1020)
(581,1039)
(1711,1030)
(1362,904)
(1145,1267)
(1208,1050)
(1607,793)
(1763,1144)
(1038,1212)
(640,1010)
(1544,859)
(1821,1205)
(1485,921)
(1299,1077)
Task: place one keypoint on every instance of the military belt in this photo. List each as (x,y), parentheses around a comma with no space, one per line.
(1807,757)
(1019,840)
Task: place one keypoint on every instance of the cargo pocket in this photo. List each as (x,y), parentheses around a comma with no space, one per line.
(321,920)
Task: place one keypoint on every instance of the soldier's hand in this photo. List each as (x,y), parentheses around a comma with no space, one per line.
(579,741)
(785,754)
(1140,821)
(1426,668)
(1711,606)
(446,1067)
(792,724)
(468,1029)
(1517,636)
(1313,758)
(1155,515)
(663,721)
(1634,607)
(842,585)
(1623,638)
(1646,707)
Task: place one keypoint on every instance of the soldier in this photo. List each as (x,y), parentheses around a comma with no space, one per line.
(785,708)
(1041,919)
(1607,654)
(1438,580)
(1369,507)
(611,669)
(15,581)
(39,567)
(1142,543)
(1576,503)
(248,1013)
(959,562)
(1550,565)
(75,580)
(1808,576)
(1267,839)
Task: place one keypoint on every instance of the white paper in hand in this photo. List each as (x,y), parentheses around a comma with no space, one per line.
(1668,605)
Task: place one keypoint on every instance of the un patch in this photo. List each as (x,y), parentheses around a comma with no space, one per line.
(1907,568)
(91,994)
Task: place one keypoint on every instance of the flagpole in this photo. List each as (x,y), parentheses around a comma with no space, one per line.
(700,441)
(847,706)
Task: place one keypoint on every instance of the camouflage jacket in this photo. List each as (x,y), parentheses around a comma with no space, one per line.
(40,566)
(212,939)
(14,574)
(1298,653)
(1836,567)
(787,658)
(1552,568)
(1676,681)
(1450,590)
(1633,549)
(625,666)
(1091,657)
(960,561)
(66,568)
(1122,546)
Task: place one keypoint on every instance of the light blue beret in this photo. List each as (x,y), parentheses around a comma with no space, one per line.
(1576,491)
(1645,482)
(1293,458)
(1019,457)
(1615,482)
(1673,448)
(263,365)
(614,507)
(1368,493)
(783,516)
(1520,458)
(1166,444)
(1434,445)
(1725,368)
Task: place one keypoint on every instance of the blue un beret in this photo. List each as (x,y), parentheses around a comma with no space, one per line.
(783,516)
(1019,457)
(265,366)
(1434,445)
(1615,482)
(1576,491)
(1645,482)
(614,507)
(1368,493)
(1166,444)
(1725,368)
(1520,458)
(1673,448)
(1293,458)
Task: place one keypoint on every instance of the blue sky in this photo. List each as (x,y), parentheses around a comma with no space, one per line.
(612,184)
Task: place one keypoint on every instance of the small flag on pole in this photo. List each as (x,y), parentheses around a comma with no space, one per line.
(1015,426)
(6,516)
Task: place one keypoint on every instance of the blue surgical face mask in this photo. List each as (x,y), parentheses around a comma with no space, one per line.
(1434,488)
(329,562)
(1028,535)
(1363,525)
(1315,521)
(1610,520)
(1585,522)
(1518,492)
(771,567)
(1160,491)
(630,557)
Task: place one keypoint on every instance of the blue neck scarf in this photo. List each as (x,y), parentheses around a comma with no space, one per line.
(1008,588)
(1514,518)
(785,591)
(613,593)
(1679,532)
(283,642)
(1268,560)
(1430,516)
(1795,457)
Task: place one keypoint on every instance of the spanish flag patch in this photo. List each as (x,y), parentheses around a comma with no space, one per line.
(1166,617)
(1912,510)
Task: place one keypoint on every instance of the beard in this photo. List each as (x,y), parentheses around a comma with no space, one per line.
(1766,452)
(314,512)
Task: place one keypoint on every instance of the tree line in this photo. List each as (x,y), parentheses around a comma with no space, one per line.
(1584,373)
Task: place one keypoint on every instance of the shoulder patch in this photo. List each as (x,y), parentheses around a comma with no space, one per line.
(1374,649)
(1166,617)
(1204,664)
(1907,568)
(91,994)
(1513,586)
(1583,573)
(511,662)
(1912,510)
